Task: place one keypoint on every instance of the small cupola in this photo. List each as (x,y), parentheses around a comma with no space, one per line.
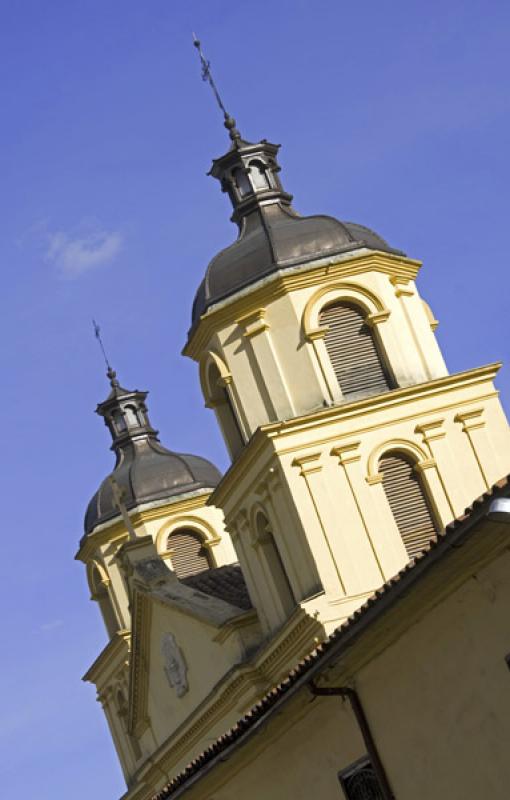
(145,471)
(125,414)
(248,173)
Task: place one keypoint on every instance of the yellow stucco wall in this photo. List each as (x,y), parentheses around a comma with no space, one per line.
(437,700)
(310,466)
(316,478)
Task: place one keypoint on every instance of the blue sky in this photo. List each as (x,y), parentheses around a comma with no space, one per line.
(392,114)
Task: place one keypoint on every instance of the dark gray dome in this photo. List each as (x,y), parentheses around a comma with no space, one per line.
(272,236)
(281,239)
(147,471)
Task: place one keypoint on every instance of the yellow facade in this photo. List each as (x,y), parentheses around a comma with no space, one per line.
(433,680)
(305,512)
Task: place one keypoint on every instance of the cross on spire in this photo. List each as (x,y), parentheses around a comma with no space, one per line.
(229,122)
(110,373)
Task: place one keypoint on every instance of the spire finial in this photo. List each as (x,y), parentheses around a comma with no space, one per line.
(228,121)
(110,373)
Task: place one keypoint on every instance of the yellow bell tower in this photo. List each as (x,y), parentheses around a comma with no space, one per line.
(352,445)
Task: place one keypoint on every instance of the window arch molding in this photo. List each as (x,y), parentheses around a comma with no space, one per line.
(186,562)
(409,493)
(220,395)
(197,525)
(99,583)
(368,303)
(276,565)
(346,292)
(404,446)
(97,578)
(206,361)
(259,510)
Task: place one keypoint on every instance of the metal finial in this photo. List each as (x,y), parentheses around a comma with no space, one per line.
(111,374)
(229,122)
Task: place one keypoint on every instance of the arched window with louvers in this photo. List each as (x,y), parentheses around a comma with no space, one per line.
(219,399)
(407,497)
(188,553)
(100,593)
(353,350)
(274,564)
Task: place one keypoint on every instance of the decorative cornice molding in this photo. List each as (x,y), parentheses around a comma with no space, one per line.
(308,464)
(401,285)
(431,430)
(115,529)
(253,322)
(110,657)
(266,437)
(238,689)
(248,301)
(346,453)
(470,420)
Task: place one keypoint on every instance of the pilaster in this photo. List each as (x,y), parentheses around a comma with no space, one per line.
(474,426)
(377,554)
(327,532)
(439,449)
(257,334)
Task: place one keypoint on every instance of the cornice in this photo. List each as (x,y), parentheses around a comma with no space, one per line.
(139,665)
(394,397)
(115,528)
(442,569)
(276,432)
(117,648)
(296,639)
(251,453)
(249,300)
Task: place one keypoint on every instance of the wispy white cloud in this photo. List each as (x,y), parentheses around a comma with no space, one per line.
(73,254)
(50,626)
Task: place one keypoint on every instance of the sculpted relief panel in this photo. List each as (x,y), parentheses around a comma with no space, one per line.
(174,664)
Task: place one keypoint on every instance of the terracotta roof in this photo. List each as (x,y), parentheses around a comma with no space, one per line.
(226,583)
(344,635)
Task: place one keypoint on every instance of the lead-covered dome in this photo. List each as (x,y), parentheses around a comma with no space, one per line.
(272,236)
(145,471)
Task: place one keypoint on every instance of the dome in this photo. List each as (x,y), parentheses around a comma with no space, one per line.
(145,471)
(283,239)
(272,235)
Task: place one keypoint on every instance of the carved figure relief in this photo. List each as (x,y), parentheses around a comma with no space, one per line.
(174,664)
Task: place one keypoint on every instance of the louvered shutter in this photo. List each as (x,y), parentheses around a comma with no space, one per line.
(408,503)
(189,556)
(352,350)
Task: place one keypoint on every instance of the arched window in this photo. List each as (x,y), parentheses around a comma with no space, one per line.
(258,175)
(220,400)
(100,593)
(188,553)
(119,421)
(408,501)
(133,416)
(353,350)
(242,182)
(275,565)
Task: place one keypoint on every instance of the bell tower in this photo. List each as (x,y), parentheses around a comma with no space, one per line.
(153,502)
(352,445)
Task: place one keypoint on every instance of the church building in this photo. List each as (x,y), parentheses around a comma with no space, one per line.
(329,618)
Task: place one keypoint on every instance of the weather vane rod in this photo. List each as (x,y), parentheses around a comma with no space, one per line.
(97,331)
(230,123)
